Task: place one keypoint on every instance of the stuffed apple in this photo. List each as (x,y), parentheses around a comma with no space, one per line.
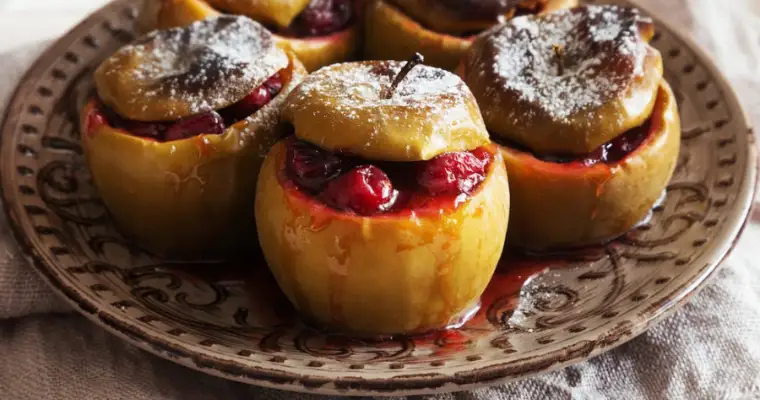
(178,129)
(386,210)
(588,127)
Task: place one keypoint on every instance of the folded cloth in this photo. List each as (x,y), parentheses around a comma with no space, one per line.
(707,350)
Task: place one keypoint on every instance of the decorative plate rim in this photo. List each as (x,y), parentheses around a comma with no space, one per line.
(395,382)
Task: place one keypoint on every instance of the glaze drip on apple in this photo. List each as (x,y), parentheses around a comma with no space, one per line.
(321,18)
(208,122)
(351,184)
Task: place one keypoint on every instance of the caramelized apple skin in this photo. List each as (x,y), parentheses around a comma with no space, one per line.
(566,205)
(318,52)
(165,14)
(387,274)
(189,197)
(392,35)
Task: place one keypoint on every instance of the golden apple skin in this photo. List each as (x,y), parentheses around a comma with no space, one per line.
(280,13)
(392,35)
(190,197)
(317,52)
(165,14)
(567,205)
(380,275)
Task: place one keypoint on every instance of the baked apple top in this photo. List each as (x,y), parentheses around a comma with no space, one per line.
(568,81)
(170,74)
(386,110)
(460,17)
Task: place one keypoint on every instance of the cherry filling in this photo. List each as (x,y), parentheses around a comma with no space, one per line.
(352,184)
(322,17)
(609,153)
(209,122)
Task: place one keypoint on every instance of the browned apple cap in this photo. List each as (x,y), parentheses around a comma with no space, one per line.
(566,205)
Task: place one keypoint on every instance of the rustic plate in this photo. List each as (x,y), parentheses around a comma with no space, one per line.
(230,320)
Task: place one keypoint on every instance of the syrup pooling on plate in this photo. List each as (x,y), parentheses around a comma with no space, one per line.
(207,65)
(366,187)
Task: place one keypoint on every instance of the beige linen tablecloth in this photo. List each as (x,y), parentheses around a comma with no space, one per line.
(708,350)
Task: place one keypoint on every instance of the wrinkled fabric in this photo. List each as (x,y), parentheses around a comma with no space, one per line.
(710,349)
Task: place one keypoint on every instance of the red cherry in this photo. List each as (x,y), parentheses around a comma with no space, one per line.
(246,107)
(483,155)
(323,17)
(144,129)
(452,173)
(207,123)
(273,85)
(311,167)
(365,190)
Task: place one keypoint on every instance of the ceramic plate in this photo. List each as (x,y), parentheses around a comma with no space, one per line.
(231,321)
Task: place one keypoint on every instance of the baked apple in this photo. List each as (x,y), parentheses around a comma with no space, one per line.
(365,234)
(179,128)
(588,127)
(319,32)
(442,30)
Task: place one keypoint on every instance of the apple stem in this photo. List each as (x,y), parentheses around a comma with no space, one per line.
(416,59)
(559,58)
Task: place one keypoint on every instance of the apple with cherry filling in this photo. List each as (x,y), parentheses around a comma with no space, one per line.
(175,139)
(386,211)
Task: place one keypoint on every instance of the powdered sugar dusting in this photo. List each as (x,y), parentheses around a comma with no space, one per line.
(431,111)
(207,65)
(570,60)
(362,86)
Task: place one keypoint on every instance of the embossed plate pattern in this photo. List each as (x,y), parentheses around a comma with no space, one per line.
(230,320)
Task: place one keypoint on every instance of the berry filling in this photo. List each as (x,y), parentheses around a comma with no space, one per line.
(609,153)
(363,187)
(209,122)
(322,17)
